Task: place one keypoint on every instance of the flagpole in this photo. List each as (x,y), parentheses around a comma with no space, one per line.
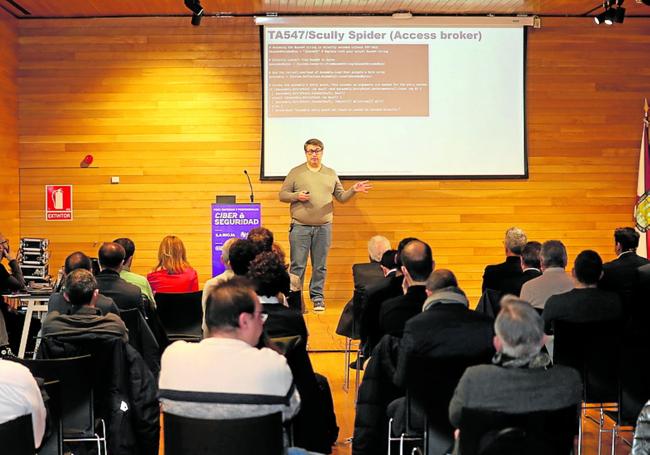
(642,207)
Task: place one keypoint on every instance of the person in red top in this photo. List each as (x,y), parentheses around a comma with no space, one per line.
(173,273)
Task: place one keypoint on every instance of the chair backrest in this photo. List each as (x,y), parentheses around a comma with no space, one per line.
(430,384)
(142,338)
(181,314)
(75,376)
(248,436)
(17,436)
(287,344)
(490,302)
(593,350)
(634,384)
(546,432)
(294,299)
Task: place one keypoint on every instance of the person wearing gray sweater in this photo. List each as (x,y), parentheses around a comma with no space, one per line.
(310,189)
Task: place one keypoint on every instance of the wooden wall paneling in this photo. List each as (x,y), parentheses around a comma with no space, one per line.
(9,187)
(175,111)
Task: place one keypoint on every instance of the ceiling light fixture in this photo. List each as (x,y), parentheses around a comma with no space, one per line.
(197,11)
(614,13)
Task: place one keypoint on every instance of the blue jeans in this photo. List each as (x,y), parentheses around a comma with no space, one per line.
(313,241)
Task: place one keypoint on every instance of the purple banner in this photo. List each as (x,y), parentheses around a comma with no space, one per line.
(228,221)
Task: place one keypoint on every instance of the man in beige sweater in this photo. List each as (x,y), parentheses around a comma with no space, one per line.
(309,189)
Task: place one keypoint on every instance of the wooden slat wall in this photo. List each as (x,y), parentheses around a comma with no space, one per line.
(9,220)
(175,112)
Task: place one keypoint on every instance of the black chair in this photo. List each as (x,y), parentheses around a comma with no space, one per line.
(53,442)
(181,315)
(430,384)
(490,303)
(633,388)
(142,338)
(593,349)
(286,345)
(248,436)
(484,432)
(17,436)
(75,375)
(295,302)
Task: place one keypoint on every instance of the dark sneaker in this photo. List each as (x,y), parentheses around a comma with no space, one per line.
(319,306)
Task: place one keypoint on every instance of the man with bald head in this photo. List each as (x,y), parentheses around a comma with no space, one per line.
(417,265)
(126,295)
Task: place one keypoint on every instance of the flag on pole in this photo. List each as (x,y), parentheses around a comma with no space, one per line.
(642,208)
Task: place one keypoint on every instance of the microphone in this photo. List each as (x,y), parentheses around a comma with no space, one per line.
(250,185)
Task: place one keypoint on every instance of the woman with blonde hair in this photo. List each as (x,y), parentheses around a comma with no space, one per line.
(173,273)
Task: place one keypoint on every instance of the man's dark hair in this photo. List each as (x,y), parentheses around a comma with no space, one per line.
(80,285)
(227,301)
(588,267)
(241,254)
(417,258)
(111,255)
(128,245)
(627,237)
(440,279)
(530,254)
(77,260)
(269,275)
(388,259)
(262,238)
(400,247)
(553,254)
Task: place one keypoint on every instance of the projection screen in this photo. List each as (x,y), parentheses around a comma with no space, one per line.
(395,99)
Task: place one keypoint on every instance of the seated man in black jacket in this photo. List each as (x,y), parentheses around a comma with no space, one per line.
(125,391)
(81,294)
(417,265)
(126,295)
(75,261)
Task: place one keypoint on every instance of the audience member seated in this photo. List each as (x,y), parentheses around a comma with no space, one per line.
(270,278)
(531,265)
(243,380)
(223,276)
(417,265)
(9,282)
(127,275)
(125,295)
(367,273)
(263,240)
(81,294)
(553,280)
(585,303)
(173,273)
(58,303)
(621,275)
(19,396)
(125,390)
(521,378)
(363,274)
(376,293)
(268,274)
(495,276)
(447,331)
(241,254)
(641,443)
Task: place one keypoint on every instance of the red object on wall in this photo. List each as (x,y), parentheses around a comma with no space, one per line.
(58,202)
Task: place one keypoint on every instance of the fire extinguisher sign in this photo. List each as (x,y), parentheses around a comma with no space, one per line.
(58,202)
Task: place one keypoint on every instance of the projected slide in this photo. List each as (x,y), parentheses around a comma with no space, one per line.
(396,102)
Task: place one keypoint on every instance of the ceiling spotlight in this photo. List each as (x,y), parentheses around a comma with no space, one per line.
(197,11)
(614,13)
